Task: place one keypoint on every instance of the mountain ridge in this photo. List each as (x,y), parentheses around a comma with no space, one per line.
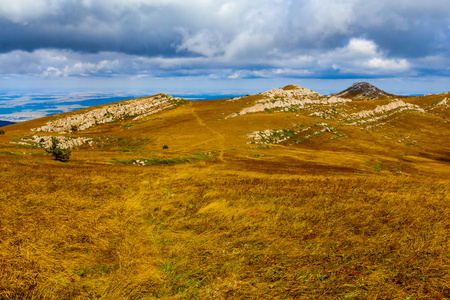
(363,91)
(313,116)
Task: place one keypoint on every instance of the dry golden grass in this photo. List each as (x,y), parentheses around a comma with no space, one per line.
(360,217)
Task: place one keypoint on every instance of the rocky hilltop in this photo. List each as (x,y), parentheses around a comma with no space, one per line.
(363,91)
(290,98)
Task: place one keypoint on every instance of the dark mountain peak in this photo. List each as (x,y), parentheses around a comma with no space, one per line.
(363,91)
(5,123)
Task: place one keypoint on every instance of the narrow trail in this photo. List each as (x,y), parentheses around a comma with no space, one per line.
(218,134)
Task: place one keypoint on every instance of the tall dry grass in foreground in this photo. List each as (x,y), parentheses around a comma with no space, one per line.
(194,231)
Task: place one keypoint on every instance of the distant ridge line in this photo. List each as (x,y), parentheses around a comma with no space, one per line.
(6,123)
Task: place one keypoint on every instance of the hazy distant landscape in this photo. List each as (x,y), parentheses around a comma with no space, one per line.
(4,123)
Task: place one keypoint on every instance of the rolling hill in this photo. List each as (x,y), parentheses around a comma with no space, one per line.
(283,194)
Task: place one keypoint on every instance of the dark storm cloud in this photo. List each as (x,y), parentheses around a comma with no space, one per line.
(266,38)
(414,30)
(91,29)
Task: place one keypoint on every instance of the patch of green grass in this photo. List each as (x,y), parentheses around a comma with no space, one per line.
(15,153)
(377,166)
(97,270)
(6,153)
(161,161)
(338,135)
(130,146)
(397,168)
(256,154)
(170,161)
(260,146)
(183,279)
(200,156)
(128,126)
(122,161)
(435,102)
(153,161)
(38,153)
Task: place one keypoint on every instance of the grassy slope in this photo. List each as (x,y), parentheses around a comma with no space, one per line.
(361,216)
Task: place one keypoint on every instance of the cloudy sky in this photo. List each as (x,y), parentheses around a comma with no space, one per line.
(402,46)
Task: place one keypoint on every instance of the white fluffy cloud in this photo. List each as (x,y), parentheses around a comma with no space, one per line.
(361,56)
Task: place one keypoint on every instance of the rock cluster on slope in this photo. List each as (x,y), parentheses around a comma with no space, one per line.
(443,102)
(136,108)
(64,142)
(288,97)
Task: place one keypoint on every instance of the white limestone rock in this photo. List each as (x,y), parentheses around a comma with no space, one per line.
(138,108)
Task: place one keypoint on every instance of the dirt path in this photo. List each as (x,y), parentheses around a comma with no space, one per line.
(221,138)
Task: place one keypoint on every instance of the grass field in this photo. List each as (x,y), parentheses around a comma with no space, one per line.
(363,214)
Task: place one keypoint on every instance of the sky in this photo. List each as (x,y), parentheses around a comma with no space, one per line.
(224,46)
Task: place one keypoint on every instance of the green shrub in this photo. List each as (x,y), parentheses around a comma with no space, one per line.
(58,153)
(2,131)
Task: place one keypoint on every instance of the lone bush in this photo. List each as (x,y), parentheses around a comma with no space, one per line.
(2,131)
(58,153)
(165,147)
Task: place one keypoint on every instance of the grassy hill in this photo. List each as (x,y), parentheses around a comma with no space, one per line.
(284,194)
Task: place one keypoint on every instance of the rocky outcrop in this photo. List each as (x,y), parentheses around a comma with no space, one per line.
(136,109)
(292,91)
(276,136)
(292,96)
(382,112)
(64,142)
(444,102)
(363,91)
(396,104)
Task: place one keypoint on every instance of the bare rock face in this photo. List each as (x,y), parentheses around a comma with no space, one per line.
(363,91)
